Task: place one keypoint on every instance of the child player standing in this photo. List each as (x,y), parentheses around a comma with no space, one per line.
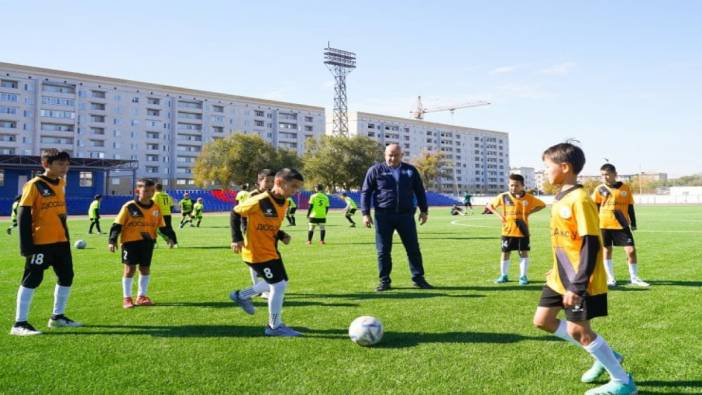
(577,283)
(136,226)
(617,219)
(513,209)
(258,247)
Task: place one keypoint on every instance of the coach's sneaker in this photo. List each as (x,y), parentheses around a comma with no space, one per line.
(639,282)
(61,321)
(281,330)
(616,388)
(128,302)
(144,300)
(502,279)
(597,369)
(23,328)
(245,303)
(523,280)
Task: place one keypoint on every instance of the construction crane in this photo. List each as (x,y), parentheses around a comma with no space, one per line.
(420,110)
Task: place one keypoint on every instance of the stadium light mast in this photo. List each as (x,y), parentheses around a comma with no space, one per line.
(340,63)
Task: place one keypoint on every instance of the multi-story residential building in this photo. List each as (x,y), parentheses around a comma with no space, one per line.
(162,127)
(479,159)
(529,175)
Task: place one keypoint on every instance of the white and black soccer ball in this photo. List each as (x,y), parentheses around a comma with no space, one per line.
(366,330)
(80,244)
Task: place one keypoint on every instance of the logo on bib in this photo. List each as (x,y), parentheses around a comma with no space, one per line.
(565,213)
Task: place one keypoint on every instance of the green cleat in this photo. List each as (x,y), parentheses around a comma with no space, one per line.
(597,369)
(523,280)
(502,279)
(615,388)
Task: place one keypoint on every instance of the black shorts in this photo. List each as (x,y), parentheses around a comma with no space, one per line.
(318,220)
(468,204)
(592,306)
(291,210)
(351,211)
(138,253)
(187,213)
(272,271)
(56,255)
(618,237)
(510,243)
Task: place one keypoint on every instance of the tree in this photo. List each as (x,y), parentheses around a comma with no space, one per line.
(237,159)
(340,162)
(431,167)
(550,189)
(590,185)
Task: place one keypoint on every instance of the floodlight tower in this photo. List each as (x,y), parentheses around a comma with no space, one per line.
(340,63)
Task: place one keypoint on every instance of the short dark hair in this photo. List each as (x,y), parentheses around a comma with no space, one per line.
(148,182)
(159,186)
(265,173)
(98,196)
(319,187)
(343,193)
(566,153)
(608,167)
(50,155)
(288,174)
(517,177)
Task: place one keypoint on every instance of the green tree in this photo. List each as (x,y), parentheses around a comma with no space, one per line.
(237,159)
(340,162)
(432,166)
(550,189)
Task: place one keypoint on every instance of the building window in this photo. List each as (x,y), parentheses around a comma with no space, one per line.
(8,84)
(258,113)
(308,119)
(86,179)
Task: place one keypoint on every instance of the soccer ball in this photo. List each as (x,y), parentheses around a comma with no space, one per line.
(366,330)
(80,244)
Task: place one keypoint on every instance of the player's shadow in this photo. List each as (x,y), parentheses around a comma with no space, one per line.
(422,237)
(220,247)
(411,339)
(258,302)
(533,286)
(382,295)
(693,386)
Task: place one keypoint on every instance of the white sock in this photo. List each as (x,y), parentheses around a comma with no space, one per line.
(254,276)
(144,284)
(562,332)
(600,350)
(633,270)
(275,303)
(504,267)
(523,267)
(24,302)
(258,288)
(609,268)
(60,299)
(127,286)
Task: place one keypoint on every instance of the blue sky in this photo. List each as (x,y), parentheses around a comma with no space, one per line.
(624,78)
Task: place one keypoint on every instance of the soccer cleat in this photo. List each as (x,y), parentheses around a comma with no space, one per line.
(639,282)
(523,280)
(502,279)
(597,369)
(23,328)
(611,282)
(322,242)
(245,303)
(383,286)
(353,225)
(281,330)
(615,388)
(309,242)
(422,284)
(128,303)
(144,300)
(61,321)
(9,231)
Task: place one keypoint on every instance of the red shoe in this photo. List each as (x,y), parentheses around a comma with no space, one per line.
(144,301)
(128,303)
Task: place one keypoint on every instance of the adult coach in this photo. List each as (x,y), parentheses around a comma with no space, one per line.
(392,186)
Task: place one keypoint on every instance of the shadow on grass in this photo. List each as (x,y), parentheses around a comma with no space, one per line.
(421,237)
(258,302)
(411,339)
(380,295)
(222,247)
(693,385)
(677,283)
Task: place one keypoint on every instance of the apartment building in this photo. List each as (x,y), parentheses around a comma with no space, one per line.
(162,127)
(479,158)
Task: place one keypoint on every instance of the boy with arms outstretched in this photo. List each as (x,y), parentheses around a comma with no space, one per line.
(136,226)
(577,283)
(258,247)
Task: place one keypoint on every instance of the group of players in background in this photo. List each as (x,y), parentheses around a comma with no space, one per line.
(580,226)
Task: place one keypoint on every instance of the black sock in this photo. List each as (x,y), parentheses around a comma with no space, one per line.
(309,235)
(322,233)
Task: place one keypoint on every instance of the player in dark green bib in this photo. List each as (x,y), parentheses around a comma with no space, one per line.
(186,209)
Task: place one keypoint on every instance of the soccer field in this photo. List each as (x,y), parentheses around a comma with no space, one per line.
(468,335)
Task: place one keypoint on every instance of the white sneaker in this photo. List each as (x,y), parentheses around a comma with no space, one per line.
(61,321)
(23,329)
(245,303)
(281,330)
(264,295)
(611,282)
(639,282)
